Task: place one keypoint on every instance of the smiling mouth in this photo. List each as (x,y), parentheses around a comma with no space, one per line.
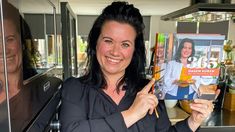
(186,53)
(8,59)
(113,60)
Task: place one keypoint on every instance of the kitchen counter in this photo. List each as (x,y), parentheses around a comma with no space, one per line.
(222,118)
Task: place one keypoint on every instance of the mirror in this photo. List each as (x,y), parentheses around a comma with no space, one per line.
(28,51)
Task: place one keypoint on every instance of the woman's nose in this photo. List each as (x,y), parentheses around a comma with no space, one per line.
(115,49)
(6,49)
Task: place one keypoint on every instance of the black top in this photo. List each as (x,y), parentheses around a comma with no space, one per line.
(86,108)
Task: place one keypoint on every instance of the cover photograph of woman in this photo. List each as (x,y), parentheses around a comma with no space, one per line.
(187,66)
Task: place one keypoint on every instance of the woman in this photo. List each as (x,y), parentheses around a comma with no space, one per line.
(13,52)
(20,98)
(113,95)
(177,84)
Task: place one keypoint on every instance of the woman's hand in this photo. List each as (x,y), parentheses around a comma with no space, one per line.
(144,102)
(201,109)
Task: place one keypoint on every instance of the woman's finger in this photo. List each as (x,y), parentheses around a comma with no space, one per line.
(147,88)
(205,108)
(151,110)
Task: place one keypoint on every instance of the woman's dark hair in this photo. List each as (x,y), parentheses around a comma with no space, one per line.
(121,12)
(181,46)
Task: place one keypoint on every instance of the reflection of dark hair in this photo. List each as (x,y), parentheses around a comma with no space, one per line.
(181,46)
(12,13)
(29,55)
(124,13)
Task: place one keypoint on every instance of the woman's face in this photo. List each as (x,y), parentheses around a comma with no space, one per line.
(115,47)
(187,50)
(13,48)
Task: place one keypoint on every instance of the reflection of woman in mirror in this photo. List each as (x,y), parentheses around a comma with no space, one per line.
(13,54)
(13,58)
(177,84)
(20,102)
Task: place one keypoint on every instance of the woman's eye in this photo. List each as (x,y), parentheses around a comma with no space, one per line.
(10,39)
(125,45)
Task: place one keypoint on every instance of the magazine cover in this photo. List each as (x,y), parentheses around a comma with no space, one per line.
(186,66)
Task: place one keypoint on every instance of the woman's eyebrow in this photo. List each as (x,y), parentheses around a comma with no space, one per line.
(106,38)
(128,41)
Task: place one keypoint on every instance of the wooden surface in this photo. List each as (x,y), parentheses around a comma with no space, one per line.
(229,101)
(176,114)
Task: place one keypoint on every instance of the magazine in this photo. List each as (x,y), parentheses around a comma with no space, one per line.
(187,66)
